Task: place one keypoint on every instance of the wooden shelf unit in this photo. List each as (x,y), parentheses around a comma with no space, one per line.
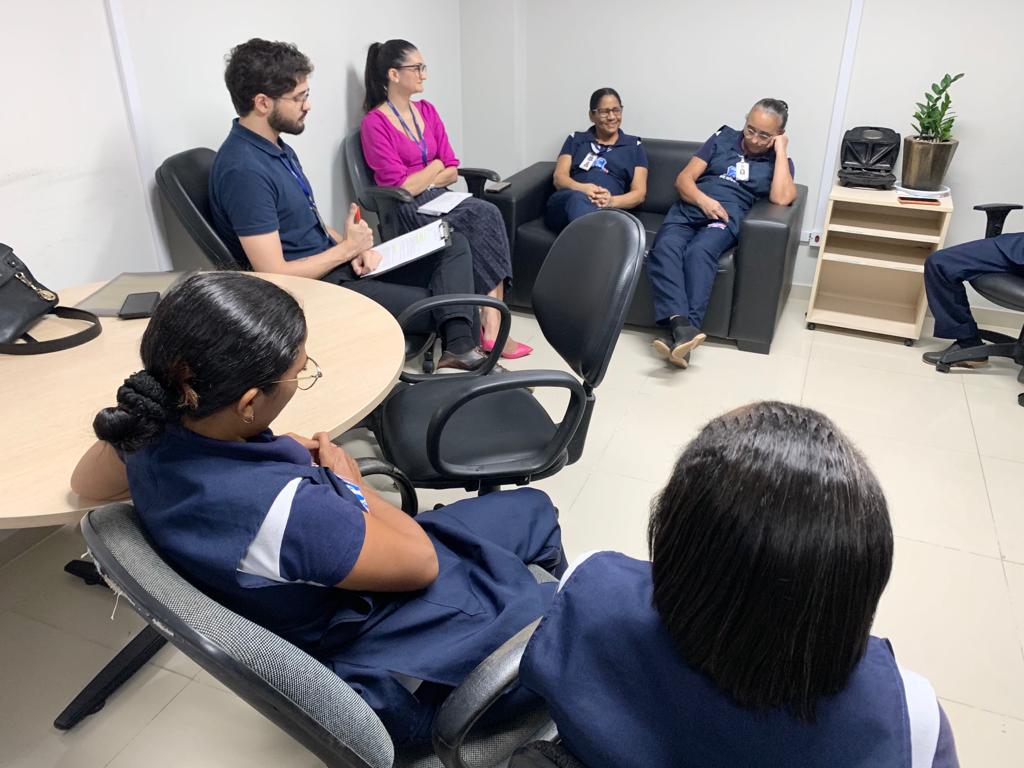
(870,272)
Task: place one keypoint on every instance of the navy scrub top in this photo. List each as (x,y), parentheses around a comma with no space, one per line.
(261,529)
(615,164)
(721,152)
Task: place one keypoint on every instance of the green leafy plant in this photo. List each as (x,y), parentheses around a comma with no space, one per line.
(934,121)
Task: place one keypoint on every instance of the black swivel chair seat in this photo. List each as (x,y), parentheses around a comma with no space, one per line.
(480,431)
(1006,290)
(184,181)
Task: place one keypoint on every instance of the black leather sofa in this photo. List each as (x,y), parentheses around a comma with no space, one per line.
(753,278)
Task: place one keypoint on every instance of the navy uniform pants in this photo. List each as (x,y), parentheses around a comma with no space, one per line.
(682,266)
(566,205)
(945,272)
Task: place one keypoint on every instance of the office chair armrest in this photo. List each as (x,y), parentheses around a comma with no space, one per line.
(477,177)
(528,465)
(387,194)
(525,197)
(459,299)
(996,214)
(475,695)
(370,466)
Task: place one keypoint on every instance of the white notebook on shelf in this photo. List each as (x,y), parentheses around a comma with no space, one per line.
(442,204)
(411,246)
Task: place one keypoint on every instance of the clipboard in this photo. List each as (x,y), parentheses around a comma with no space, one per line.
(403,249)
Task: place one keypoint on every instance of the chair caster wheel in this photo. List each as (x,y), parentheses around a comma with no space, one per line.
(1020,399)
(428,367)
(908,342)
(811,326)
(942,367)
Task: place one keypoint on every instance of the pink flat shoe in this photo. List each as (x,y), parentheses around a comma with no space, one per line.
(519,350)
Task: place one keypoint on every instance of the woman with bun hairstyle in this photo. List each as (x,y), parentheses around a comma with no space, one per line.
(283,529)
(406,145)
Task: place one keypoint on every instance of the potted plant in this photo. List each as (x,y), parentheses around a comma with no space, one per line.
(926,157)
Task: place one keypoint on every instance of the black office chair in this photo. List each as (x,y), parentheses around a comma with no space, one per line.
(383,201)
(479,432)
(292,689)
(1006,290)
(184,181)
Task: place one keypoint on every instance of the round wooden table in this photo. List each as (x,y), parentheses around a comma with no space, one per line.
(47,402)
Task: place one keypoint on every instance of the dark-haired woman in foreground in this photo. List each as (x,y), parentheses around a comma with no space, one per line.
(283,529)
(745,642)
(601,167)
(406,145)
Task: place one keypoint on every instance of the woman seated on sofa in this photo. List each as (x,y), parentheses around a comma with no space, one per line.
(284,530)
(717,188)
(406,145)
(746,641)
(601,167)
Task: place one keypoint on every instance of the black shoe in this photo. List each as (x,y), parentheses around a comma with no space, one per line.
(932,358)
(685,338)
(466,361)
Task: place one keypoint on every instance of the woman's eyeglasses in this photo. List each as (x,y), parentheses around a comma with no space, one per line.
(751,132)
(421,69)
(616,111)
(307,376)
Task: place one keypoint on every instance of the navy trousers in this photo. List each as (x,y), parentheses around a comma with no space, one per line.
(945,272)
(682,266)
(566,205)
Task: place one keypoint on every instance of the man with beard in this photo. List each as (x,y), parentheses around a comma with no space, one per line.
(264,209)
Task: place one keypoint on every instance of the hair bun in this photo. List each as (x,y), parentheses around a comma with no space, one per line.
(141,413)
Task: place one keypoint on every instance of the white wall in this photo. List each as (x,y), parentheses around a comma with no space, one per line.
(71,202)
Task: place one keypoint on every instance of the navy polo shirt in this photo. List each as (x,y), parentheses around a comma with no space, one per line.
(620,160)
(253,192)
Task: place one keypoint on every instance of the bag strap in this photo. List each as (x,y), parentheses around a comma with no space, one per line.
(33,347)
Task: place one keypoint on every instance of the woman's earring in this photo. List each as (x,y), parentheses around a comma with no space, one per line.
(249,419)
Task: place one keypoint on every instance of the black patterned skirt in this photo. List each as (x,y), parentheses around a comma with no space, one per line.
(481,223)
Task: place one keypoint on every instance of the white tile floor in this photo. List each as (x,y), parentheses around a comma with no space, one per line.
(949,451)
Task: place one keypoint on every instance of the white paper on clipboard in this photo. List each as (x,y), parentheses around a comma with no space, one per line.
(411,246)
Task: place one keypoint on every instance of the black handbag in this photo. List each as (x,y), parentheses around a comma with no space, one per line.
(24,301)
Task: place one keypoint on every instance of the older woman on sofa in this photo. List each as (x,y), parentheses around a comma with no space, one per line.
(601,167)
(718,187)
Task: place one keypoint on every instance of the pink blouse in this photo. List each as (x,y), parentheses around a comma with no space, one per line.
(393,156)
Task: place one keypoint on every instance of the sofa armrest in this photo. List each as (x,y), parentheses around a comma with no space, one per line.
(524,199)
(765,256)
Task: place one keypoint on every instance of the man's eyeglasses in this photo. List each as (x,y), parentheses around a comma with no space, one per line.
(751,132)
(421,69)
(616,111)
(300,98)
(307,376)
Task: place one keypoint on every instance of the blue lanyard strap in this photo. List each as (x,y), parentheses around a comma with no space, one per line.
(420,141)
(303,184)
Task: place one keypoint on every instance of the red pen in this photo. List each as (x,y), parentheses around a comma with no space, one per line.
(359,215)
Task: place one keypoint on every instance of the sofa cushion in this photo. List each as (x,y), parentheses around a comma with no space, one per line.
(665,158)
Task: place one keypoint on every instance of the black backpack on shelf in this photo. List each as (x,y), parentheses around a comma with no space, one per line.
(868,156)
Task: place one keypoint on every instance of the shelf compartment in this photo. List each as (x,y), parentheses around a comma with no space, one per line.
(873,252)
(865,299)
(884,222)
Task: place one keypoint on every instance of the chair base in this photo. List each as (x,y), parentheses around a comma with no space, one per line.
(1000,345)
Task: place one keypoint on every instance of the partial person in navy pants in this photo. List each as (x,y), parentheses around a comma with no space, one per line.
(718,187)
(601,167)
(946,271)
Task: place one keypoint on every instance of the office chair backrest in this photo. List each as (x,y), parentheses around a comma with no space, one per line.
(295,691)
(184,180)
(585,286)
(358,171)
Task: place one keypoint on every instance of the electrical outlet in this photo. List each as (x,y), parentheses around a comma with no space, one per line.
(814,238)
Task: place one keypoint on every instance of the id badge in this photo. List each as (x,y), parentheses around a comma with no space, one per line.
(588,161)
(742,171)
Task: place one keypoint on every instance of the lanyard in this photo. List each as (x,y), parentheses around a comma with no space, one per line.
(420,141)
(600,149)
(308,192)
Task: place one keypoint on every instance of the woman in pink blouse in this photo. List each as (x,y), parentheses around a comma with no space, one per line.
(406,145)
